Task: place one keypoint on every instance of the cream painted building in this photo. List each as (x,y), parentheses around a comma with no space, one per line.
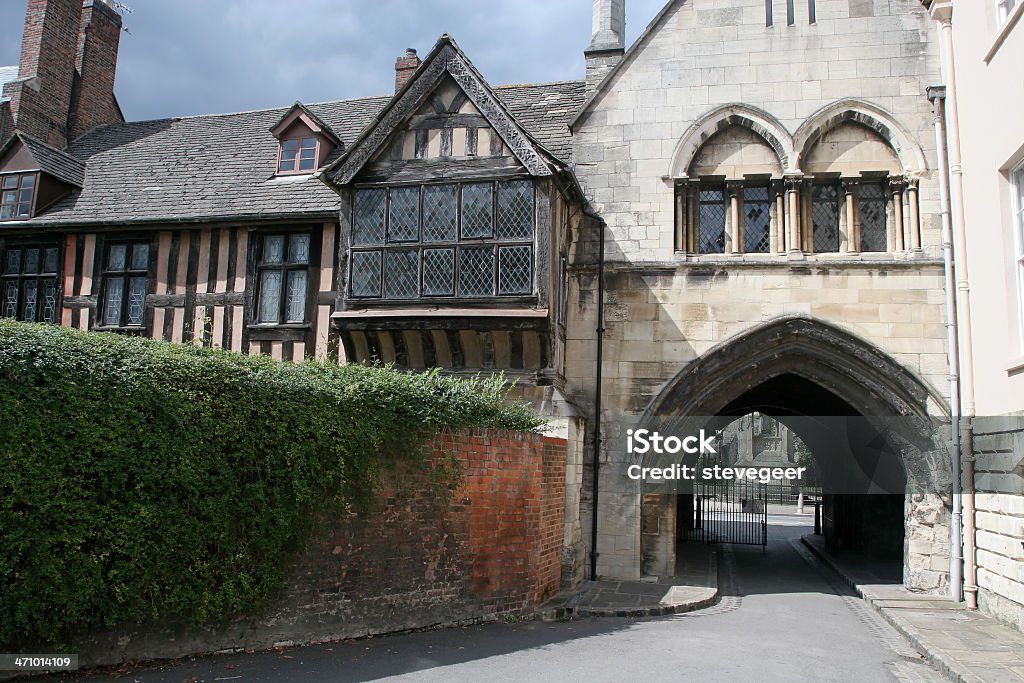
(982,53)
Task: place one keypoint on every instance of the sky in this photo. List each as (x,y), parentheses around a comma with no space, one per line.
(186,57)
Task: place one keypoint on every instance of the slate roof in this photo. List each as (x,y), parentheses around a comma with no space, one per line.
(53,161)
(221,167)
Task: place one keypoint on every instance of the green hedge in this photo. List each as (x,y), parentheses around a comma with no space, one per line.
(143,480)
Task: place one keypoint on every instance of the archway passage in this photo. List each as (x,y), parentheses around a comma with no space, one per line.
(868,421)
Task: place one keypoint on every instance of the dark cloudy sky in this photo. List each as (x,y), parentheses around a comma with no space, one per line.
(182,57)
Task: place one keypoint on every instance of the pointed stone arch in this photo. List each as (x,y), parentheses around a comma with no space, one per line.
(760,122)
(907,150)
(853,369)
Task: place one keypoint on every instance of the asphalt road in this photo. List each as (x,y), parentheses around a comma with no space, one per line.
(783,617)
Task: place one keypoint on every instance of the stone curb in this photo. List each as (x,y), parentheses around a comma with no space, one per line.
(568,609)
(945,665)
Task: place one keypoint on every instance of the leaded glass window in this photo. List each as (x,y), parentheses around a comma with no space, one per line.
(370,213)
(756,219)
(515,210)
(872,206)
(440,213)
(825,217)
(711,221)
(366,273)
(515,274)
(477,211)
(438,272)
(404,214)
(401,274)
(283,277)
(28,282)
(125,281)
(476,271)
(447,240)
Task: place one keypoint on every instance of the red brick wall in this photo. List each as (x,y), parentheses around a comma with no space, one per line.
(494,547)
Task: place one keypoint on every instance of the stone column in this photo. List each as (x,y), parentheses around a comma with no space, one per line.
(734,243)
(896,229)
(778,222)
(792,219)
(849,227)
(681,244)
(914,221)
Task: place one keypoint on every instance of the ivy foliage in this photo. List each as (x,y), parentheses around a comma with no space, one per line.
(141,480)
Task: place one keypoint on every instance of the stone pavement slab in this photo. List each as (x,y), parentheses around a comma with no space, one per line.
(694,586)
(965,644)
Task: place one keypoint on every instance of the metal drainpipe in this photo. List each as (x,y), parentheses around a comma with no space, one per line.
(597,389)
(937,96)
(963,304)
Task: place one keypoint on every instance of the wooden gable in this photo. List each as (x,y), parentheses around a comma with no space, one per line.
(444,122)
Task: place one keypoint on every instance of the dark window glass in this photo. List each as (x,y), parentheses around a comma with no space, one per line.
(477,211)
(476,271)
(515,270)
(369,217)
(16,195)
(756,219)
(411,262)
(515,210)
(29,282)
(125,279)
(283,277)
(404,215)
(871,205)
(438,272)
(440,213)
(825,217)
(711,222)
(366,273)
(298,154)
(401,274)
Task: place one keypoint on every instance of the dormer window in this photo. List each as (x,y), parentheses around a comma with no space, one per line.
(304,141)
(16,192)
(298,155)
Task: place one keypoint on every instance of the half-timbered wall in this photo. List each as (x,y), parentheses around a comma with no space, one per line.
(202,289)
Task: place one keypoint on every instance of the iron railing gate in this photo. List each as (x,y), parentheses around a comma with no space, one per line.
(731,512)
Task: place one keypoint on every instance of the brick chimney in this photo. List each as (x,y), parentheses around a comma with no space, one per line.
(405,66)
(92,99)
(40,98)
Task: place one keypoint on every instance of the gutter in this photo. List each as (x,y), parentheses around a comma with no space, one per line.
(963,304)
(937,96)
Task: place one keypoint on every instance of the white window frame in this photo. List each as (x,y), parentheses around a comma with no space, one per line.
(1017,208)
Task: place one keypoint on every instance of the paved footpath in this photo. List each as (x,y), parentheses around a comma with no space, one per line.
(966,645)
(782,616)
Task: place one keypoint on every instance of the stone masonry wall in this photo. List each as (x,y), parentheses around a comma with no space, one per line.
(493,549)
(999,501)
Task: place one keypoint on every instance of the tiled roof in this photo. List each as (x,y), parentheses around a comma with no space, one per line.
(221,167)
(545,110)
(56,163)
